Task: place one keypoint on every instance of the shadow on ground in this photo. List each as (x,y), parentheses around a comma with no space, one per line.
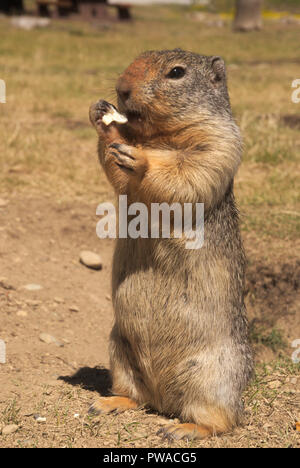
(96,379)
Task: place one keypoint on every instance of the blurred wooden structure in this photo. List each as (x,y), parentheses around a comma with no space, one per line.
(12,7)
(248,15)
(63,7)
(89,9)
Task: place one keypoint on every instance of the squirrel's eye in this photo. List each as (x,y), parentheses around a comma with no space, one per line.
(176,73)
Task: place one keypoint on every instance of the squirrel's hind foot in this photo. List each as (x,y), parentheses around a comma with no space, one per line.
(116,404)
(187,431)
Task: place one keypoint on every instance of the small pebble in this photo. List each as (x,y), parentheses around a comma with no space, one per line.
(32,287)
(90,260)
(275,384)
(49,339)
(22,313)
(3,203)
(59,300)
(73,309)
(10,429)
(33,303)
(5,285)
(39,418)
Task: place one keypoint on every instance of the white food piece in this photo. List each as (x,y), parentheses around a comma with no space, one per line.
(113,116)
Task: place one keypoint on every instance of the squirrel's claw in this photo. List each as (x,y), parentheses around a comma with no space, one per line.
(97,111)
(124,156)
(187,431)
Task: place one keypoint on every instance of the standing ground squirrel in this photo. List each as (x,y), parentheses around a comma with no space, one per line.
(180,339)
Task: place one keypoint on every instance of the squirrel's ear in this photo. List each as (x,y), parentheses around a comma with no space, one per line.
(218,69)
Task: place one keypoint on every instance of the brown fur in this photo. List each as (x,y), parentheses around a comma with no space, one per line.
(179,343)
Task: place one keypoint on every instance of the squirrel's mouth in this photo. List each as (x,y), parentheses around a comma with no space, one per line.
(134,116)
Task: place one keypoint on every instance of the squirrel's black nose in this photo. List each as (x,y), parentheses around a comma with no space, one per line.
(124,90)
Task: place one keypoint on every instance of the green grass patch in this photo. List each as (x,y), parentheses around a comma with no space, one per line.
(273,339)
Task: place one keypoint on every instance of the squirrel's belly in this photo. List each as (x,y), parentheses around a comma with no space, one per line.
(173,309)
(158,318)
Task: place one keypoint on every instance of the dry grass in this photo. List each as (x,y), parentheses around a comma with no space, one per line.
(53,75)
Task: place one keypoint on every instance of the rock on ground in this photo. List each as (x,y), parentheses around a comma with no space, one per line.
(91,260)
(10,429)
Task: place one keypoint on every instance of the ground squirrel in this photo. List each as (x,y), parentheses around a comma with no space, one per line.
(180,339)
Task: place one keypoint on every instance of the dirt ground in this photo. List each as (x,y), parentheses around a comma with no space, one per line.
(40,244)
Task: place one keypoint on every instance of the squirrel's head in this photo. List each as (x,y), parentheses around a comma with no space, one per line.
(173,89)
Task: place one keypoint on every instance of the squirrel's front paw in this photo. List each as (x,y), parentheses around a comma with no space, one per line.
(97,111)
(107,133)
(126,157)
